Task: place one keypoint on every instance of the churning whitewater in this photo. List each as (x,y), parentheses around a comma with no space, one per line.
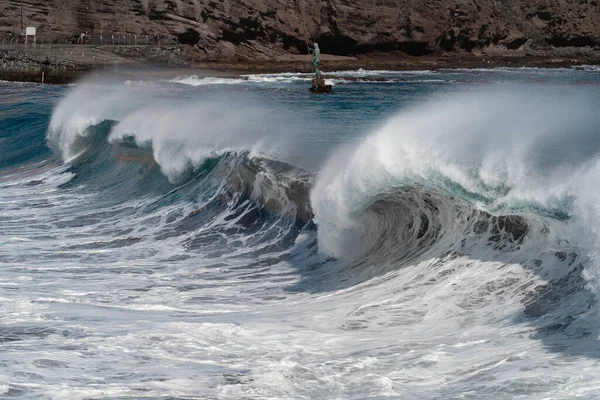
(422,235)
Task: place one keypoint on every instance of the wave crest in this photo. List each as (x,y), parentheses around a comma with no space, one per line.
(503,152)
(181,133)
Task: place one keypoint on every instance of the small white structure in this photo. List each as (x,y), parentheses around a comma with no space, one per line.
(30,31)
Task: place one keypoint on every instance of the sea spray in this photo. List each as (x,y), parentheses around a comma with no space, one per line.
(452,287)
(500,150)
(181,133)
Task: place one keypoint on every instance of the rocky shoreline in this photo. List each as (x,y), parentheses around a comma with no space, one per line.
(61,65)
(407,63)
(251,36)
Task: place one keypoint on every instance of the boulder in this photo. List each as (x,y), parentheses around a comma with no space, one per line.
(319,86)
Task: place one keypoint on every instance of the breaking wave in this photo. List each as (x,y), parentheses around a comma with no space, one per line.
(479,174)
(471,216)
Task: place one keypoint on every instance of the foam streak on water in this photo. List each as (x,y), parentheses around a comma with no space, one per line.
(422,235)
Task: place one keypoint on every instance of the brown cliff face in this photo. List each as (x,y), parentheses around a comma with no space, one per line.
(258,29)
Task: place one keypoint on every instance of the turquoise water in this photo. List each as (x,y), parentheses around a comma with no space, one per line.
(412,235)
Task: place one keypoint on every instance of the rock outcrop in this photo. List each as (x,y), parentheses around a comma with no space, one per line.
(260,29)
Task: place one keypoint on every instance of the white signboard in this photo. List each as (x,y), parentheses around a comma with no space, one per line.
(30,31)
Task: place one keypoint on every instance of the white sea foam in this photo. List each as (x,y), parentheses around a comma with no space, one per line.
(205,304)
(83,107)
(195,80)
(334,77)
(506,151)
(589,68)
(182,134)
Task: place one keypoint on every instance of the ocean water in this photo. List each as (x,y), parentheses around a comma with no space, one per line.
(414,235)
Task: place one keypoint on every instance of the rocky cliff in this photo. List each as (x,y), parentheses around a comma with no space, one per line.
(258,29)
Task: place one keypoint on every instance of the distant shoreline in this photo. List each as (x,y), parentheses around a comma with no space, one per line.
(381,62)
(55,67)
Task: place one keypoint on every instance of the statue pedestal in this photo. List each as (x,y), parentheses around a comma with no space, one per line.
(319,86)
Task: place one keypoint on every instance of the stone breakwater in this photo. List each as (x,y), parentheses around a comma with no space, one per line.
(24,66)
(66,63)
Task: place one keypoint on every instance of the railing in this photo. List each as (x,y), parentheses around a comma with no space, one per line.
(95,39)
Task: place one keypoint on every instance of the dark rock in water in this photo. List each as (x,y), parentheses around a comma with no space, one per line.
(319,86)
(35,182)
